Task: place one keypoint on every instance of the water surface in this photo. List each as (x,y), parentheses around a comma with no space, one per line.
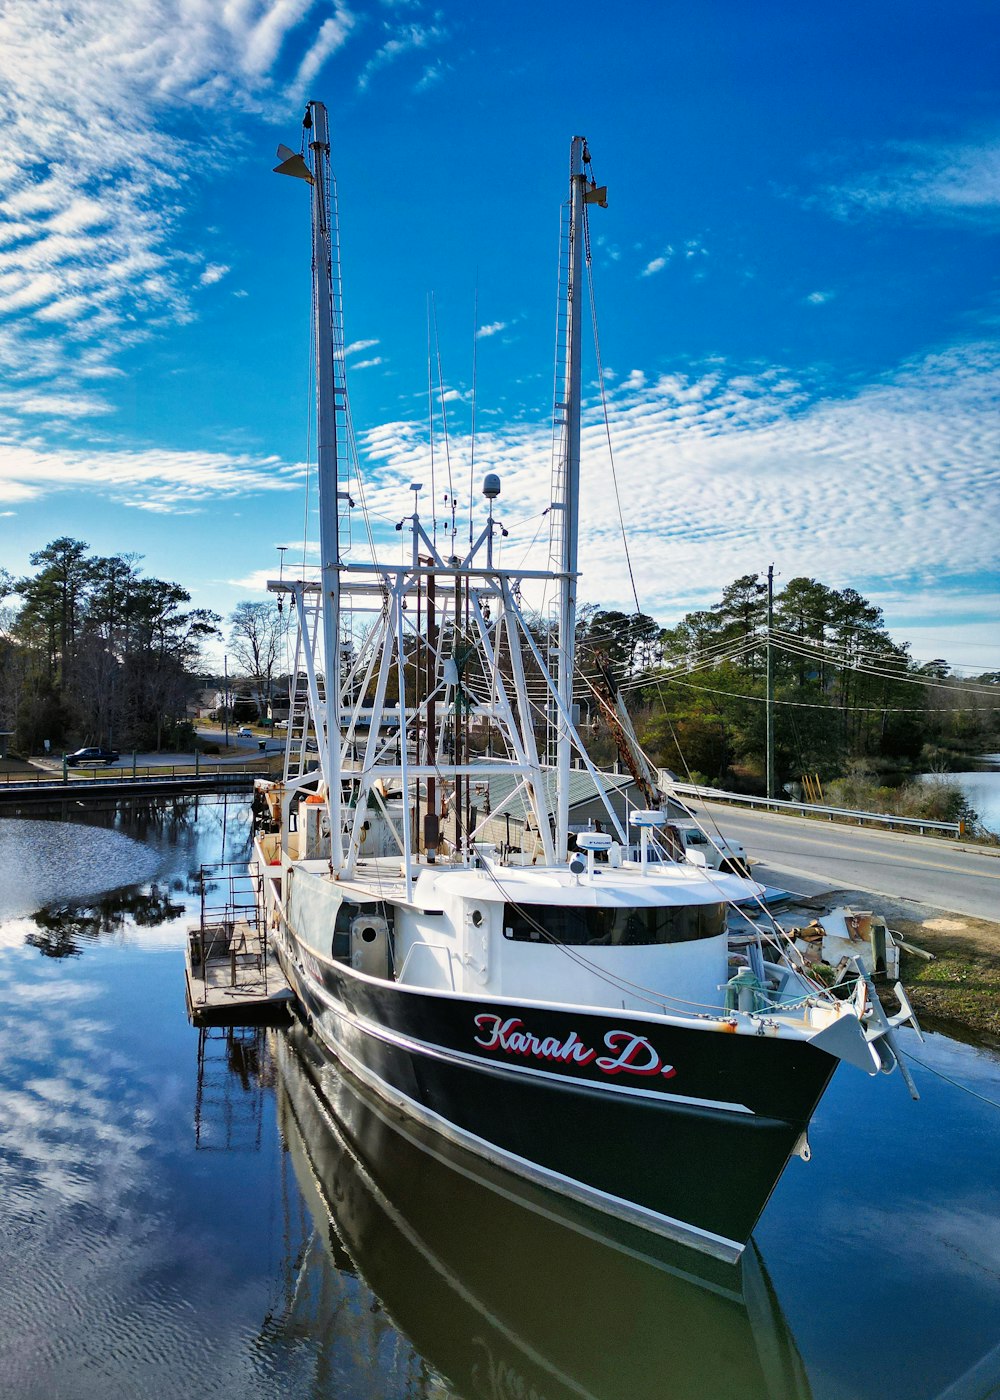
(191,1214)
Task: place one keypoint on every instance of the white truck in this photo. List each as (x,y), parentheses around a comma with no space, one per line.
(717,851)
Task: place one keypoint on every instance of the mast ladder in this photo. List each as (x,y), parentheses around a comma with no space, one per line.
(300,720)
(560,409)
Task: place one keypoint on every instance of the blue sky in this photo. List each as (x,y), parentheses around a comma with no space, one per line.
(796,281)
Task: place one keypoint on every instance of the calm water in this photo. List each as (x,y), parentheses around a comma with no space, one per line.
(983,791)
(981,787)
(191,1215)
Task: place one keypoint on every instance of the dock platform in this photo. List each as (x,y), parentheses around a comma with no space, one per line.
(232,976)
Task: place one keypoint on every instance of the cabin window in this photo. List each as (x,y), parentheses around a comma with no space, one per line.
(559,923)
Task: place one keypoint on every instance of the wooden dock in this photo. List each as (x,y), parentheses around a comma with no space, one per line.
(232,976)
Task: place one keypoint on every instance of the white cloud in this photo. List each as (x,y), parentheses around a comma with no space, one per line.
(356,346)
(332,35)
(155,480)
(432,75)
(819,298)
(54,405)
(403,39)
(494,328)
(101,106)
(610,250)
(368,364)
(654,266)
(263,40)
(892,489)
(945,180)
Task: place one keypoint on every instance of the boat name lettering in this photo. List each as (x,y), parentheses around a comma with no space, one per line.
(633,1054)
(630,1053)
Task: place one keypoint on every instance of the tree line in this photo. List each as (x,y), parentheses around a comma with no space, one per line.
(845,692)
(95,652)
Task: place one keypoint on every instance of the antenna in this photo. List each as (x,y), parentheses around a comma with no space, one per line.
(475,356)
(491,490)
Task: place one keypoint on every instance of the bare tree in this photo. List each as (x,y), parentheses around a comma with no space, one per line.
(256,640)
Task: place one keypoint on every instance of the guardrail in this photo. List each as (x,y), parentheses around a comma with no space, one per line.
(138,776)
(920,824)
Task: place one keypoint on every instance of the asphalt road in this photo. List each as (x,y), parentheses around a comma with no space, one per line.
(238,751)
(809,857)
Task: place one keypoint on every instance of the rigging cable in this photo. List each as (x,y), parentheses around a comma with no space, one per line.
(430,423)
(948,1080)
(444,419)
(310,409)
(604,398)
(797,704)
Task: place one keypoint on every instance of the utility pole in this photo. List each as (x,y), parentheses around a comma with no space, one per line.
(225,711)
(770,681)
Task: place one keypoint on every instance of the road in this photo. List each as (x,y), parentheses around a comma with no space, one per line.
(238,751)
(809,857)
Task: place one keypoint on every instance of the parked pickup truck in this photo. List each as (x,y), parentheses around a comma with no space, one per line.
(92,755)
(719,852)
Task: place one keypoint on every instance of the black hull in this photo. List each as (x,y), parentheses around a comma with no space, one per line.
(500,1292)
(691,1149)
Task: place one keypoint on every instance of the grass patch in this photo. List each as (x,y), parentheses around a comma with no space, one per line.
(962,986)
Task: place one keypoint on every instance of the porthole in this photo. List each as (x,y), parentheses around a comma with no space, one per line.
(477,918)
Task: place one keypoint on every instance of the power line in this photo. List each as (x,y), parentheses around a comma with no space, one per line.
(803,704)
(883,673)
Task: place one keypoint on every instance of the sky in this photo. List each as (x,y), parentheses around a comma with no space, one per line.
(795,283)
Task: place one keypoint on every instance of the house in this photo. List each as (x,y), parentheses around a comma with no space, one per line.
(203,703)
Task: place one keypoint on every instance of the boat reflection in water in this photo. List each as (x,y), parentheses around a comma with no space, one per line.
(508,1290)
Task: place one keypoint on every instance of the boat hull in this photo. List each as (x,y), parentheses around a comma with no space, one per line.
(502,1290)
(691,1149)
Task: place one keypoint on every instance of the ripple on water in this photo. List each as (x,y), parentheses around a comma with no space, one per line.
(51,862)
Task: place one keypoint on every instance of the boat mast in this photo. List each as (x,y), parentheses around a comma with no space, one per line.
(327,459)
(569,505)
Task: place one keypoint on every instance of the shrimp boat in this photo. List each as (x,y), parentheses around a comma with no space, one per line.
(569,1010)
